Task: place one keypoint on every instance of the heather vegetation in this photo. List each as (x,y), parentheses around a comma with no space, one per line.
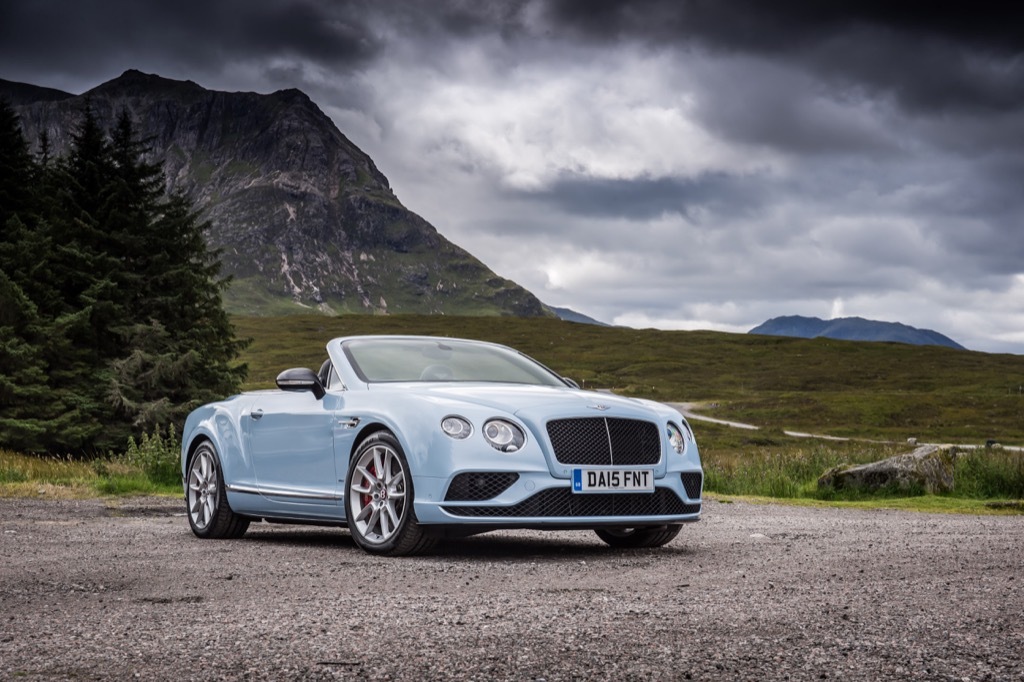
(877,394)
(776,383)
(882,391)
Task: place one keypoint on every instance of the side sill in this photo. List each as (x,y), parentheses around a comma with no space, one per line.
(296,494)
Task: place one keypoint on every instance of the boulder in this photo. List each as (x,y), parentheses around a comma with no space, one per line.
(928,468)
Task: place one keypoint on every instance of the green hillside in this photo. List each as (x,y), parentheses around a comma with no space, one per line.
(873,390)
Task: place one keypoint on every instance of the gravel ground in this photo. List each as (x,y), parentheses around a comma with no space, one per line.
(119,589)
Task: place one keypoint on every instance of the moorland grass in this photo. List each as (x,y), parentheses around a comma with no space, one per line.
(874,391)
(147,468)
(772,464)
(884,391)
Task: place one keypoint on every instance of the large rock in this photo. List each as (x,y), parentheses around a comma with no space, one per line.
(928,468)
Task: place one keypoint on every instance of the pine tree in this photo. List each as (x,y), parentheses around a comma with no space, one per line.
(111,315)
(181,349)
(15,167)
(22,369)
(23,376)
(32,348)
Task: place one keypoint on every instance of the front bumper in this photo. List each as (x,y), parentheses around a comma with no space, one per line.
(534,499)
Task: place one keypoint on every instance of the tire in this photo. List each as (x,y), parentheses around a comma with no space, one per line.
(635,538)
(379,500)
(209,514)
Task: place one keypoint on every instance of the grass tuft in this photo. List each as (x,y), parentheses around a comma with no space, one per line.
(146,468)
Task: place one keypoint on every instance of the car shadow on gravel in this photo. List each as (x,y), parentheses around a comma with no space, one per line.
(528,549)
(307,536)
(512,547)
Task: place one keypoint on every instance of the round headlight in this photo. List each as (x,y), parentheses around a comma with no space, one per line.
(676,438)
(456,427)
(504,436)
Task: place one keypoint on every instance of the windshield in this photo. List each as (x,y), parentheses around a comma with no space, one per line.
(378,360)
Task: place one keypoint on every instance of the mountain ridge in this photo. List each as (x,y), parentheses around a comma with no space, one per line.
(303,217)
(570,315)
(852,329)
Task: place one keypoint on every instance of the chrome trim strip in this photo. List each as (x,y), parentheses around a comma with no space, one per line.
(231,487)
(281,493)
(611,450)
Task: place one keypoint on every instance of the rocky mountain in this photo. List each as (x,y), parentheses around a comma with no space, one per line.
(852,329)
(303,216)
(570,315)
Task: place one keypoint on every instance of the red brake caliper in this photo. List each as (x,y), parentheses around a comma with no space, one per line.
(367,497)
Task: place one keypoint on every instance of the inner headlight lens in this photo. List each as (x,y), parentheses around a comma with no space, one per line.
(456,427)
(676,438)
(504,436)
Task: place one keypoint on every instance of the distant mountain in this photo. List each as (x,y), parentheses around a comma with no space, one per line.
(570,315)
(304,218)
(852,329)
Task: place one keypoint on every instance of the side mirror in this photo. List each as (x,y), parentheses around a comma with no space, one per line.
(301,379)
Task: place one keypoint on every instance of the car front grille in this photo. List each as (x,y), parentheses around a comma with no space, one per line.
(692,481)
(476,486)
(562,502)
(601,441)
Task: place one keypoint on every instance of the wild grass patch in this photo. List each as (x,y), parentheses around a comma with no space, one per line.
(772,465)
(18,468)
(990,473)
(788,468)
(147,467)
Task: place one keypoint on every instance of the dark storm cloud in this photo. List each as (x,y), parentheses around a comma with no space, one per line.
(781,25)
(863,153)
(924,54)
(641,199)
(88,36)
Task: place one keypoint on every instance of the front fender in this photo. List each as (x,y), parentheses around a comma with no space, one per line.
(220,424)
(413,431)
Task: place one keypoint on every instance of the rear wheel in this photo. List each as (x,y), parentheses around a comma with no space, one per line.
(208,511)
(379,498)
(632,538)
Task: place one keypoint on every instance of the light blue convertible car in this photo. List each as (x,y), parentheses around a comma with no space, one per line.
(409,439)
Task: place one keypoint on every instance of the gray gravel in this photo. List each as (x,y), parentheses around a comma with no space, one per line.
(114,590)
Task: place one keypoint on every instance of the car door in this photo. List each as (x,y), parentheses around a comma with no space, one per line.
(291,440)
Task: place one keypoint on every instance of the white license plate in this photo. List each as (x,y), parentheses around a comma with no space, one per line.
(612,480)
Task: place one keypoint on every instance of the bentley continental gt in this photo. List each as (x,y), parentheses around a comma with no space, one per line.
(407,439)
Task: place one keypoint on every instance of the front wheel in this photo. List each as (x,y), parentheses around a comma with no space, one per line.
(379,498)
(208,511)
(634,538)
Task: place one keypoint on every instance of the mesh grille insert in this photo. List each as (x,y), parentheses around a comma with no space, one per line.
(476,486)
(691,483)
(600,441)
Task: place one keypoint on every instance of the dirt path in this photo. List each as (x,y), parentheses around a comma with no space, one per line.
(687,410)
(751,592)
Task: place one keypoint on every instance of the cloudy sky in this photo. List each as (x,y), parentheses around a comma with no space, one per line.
(682,164)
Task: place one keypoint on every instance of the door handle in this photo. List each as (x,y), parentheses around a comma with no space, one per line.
(256,414)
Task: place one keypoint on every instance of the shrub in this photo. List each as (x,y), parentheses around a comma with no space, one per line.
(990,473)
(158,456)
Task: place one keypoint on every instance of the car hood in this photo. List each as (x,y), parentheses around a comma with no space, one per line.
(538,402)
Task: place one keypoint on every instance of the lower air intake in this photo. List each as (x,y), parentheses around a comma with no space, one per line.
(476,486)
(563,503)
